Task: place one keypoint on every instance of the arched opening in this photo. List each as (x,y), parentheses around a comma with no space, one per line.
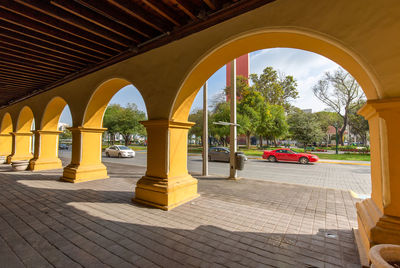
(25,120)
(307,69)
(6,128)
(52,114)
(90,141)
(47,137)
(22,147)
(232,49)
(329,48)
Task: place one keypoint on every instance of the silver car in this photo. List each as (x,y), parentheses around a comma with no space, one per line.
(119,151)
(220,154)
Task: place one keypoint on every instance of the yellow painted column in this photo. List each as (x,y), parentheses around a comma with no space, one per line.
(5,144)
(46,151)
(379,216)
(21,146)
(167,183)
(86,156)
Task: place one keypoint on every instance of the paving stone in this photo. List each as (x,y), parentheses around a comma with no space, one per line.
(246,223)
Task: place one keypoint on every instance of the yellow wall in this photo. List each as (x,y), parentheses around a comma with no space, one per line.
(5,136)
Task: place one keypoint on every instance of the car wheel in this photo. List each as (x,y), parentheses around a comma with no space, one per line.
(209,158)
(272,158)
(119,155)
(303,160)
(107,154)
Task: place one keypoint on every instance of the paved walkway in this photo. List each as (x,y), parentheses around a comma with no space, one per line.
(246,223)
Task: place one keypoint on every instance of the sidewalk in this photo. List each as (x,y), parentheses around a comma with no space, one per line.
(45,222)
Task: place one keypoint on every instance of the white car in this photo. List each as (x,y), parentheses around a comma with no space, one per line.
(119,151)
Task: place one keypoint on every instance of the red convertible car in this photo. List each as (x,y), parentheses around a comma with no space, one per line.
(289,155)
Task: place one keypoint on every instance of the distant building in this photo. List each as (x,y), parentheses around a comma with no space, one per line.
(62,126)
(307,111)
(242,68)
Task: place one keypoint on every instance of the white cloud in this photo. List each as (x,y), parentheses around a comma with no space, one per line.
(306,67)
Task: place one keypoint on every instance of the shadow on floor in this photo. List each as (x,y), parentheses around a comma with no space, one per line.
(95,224)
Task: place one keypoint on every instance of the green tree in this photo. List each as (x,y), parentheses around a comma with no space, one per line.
(110,120)
(326,119)
(358,124)
(221,113)
(304,128)
(197,118)
(277,89)
(341,93)
(278,126)
(66,134)
(249,109)
(124,120)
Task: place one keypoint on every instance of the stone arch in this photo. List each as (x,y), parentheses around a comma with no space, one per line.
(52,114)
(6,124)
(264,39)
(93,117)
(25,119)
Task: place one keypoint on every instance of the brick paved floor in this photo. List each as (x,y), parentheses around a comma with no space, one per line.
(246,223)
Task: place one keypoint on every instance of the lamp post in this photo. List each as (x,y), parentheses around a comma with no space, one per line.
(337,139)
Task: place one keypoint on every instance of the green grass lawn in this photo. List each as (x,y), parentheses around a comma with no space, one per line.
(349,156)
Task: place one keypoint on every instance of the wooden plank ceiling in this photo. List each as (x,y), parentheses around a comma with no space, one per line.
(49,42)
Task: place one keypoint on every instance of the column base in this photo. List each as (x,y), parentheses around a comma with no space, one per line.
(44,164)
(376,228)
(12,158)
(165,193)
(80,173)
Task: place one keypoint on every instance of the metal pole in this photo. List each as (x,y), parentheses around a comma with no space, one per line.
(205,131)
(337,140)
(233,135)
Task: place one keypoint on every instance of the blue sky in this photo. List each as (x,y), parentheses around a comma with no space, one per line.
(306,67)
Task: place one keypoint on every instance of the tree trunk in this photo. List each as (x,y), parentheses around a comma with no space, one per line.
(127,139)
(275,142)
(261,142)
(248,140)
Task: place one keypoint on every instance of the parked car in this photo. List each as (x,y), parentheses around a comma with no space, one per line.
(220,154)
(63,146)
(119,151)
(289,155)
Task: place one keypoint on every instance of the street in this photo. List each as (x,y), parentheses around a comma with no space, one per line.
(356,178)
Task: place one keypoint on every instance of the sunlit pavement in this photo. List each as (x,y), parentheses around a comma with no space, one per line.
(356,178)
(247,223)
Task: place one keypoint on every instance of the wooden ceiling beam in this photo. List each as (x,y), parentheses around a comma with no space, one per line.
(22,34)
(210,4)
(37,55)
(24,71)
(5,74)
(35,50)
(28,23)
(95,18)
(113,13)
(36,60)
(186,7)
(27,65)
(9,73)
(138,12)
(70,19)
(160,8)
(4,80)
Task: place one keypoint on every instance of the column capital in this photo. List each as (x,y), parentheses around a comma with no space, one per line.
(87,129)
(21,133)
(165,123)
(378,107)
(56,132)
